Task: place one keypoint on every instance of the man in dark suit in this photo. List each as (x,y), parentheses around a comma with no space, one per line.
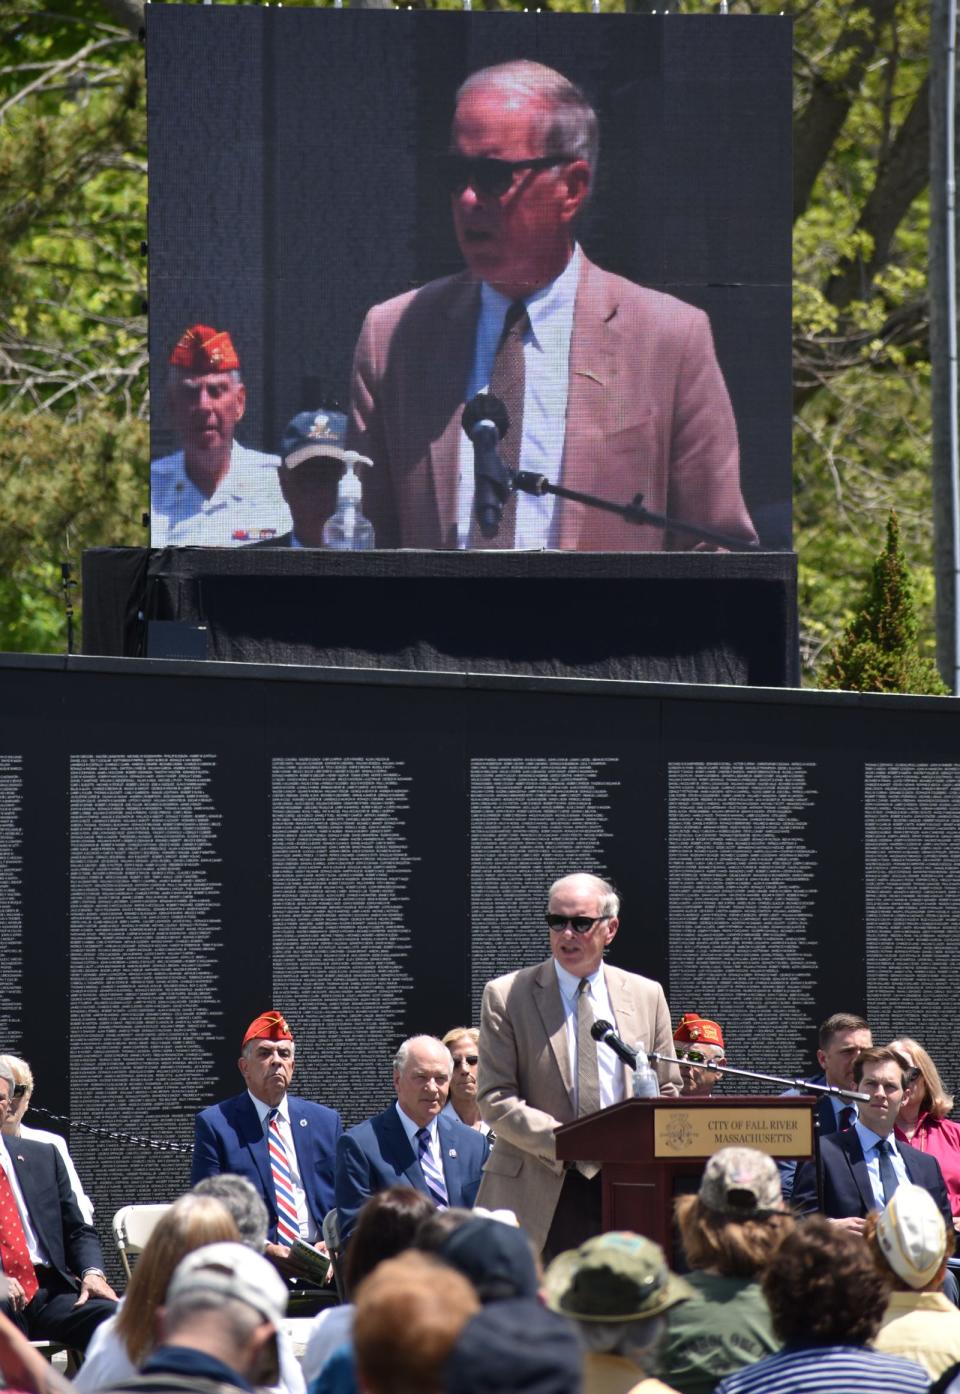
(841,1039)
(283,1144)
(863,1165)
(410,1143)
(51,1257)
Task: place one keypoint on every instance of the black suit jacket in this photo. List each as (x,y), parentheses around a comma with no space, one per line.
(71,1245)
(846,1183)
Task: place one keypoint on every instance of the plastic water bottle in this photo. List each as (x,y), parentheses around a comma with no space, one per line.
(347,530)
(645,1082)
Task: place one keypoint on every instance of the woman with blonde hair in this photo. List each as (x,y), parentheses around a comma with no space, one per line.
(461,1041)
(922,1120)
(121,1344)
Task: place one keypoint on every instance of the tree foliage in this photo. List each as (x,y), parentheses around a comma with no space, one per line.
(73,335)
(879,651)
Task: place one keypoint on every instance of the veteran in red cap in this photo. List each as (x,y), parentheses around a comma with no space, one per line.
(286,1146)
(213,491)
(696,1041)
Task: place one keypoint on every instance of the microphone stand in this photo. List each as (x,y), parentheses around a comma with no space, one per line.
(528,482)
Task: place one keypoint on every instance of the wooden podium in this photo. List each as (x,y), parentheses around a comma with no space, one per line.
(653,1149)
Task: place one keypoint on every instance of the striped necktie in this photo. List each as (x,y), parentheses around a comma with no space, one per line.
(288,1223)
(432,1173)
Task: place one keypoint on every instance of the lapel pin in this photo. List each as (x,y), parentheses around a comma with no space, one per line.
(19,1158)
(452,1152)
(303,1122)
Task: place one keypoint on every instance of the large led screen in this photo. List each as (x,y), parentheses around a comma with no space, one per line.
(363,221)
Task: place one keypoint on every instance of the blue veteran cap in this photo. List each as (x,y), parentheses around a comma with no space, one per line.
(311,434)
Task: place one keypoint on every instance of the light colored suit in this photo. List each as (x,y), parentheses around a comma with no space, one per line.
(526,1080)
(647,411)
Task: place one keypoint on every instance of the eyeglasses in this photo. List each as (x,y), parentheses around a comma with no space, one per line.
(486,176)
(18,1091)
(580,924)
(697,1057)
(466,1060)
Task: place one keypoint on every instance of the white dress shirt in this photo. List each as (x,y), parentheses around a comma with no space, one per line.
(869,1141)
(612,1087)
(308,1226)
(546,359)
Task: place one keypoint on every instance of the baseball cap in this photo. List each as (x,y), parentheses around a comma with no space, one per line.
(312,435)
(496,1258)
(912,1235)
(741,1182)
(231,1270)
(614,1277)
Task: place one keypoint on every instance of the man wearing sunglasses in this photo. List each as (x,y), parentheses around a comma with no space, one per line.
(539,1067)
(610,388)
(698,1042)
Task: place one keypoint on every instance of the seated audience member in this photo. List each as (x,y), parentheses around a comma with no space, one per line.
(498,1259)
(15,1127)
(863,1166)
(922,1120)
(729,1231)
(616,1289)
(411,1143)
(309,470)
(909,1242)
(225,1305)
(461,1042)
(282,1144)
(122,1343)
(56,1288)
(409,1314)
(515,1347)
(696,1042)
(826,1300)
(386,1226)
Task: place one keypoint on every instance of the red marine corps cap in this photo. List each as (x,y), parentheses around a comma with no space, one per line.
(268,1026)
(201,349)
(698,1030)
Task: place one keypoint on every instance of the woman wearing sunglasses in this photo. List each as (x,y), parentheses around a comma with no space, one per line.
(461,1041)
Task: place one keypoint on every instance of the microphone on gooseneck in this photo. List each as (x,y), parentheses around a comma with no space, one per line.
(486,422)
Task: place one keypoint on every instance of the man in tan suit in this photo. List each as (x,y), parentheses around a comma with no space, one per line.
(538,1070)
(611,388)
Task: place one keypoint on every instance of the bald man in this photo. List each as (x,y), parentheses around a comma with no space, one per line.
(532,1078)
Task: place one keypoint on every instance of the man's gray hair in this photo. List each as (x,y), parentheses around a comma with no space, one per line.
(175,375)
(400,1059)
(242,1199)
(7,1074)
(636,1341)
(609,900)
(569,122)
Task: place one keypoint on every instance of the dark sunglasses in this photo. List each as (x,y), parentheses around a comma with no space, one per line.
(466,1060)
(486,176)
(696,1057)
(580,924)
(19,1090)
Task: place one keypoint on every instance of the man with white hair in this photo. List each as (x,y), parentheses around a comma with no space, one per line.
(540,1067)
(609,387)
(411,1143)
(224,1309)
(213,491)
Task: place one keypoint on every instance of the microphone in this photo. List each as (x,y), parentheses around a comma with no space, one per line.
(486,422)
(603,1031)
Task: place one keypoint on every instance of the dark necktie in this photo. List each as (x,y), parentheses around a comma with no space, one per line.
(846,1118)
(888,1177)
(432,1174)
(13,1241)
(508,382)
(588,1071)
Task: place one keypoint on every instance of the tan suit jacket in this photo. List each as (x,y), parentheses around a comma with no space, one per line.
(525,1083)
(647,411)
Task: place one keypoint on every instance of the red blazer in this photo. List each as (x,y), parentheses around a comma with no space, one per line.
(647,411)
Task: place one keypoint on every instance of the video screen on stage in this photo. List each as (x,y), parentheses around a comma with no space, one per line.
(412,273)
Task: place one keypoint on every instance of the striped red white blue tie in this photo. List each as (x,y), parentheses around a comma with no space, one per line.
(432,1173)
(288,1225)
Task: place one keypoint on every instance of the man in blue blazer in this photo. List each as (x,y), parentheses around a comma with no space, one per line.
(863,1165)
(286,1146)
(56,1288)
(412,1143)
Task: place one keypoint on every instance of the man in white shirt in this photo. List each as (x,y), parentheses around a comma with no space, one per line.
(411,1143)
(611,388)
(213,492)
(539,1067)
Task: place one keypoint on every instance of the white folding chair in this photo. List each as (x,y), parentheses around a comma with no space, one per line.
(132,1227)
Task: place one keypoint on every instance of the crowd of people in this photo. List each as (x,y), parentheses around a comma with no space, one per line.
(467,1257)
